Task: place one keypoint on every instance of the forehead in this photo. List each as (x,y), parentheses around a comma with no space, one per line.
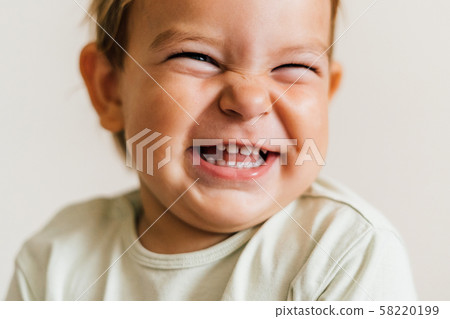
(248,24)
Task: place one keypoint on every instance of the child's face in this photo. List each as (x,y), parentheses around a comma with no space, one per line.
(252,45)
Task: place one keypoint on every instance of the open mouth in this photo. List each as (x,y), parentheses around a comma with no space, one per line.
(234,156)
(231,161)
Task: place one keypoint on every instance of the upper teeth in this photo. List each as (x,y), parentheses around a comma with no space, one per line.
(258,163)
(221,147)
(232,149)
(244,150)
(235,149)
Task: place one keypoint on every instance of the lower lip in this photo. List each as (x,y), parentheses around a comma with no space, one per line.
(231,173)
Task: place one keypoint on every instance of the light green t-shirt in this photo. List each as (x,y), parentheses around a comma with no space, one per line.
(327,245)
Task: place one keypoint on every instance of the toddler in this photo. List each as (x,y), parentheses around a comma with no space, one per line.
(222,108)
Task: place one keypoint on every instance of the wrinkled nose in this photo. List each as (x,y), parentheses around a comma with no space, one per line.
(245,99)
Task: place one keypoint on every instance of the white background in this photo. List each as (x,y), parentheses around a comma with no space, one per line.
(222,310)
(389,124)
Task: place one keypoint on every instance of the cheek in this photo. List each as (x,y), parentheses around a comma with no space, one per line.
(305,115)
(170,110)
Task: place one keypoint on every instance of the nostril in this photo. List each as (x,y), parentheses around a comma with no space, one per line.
(235,113)
(231,112)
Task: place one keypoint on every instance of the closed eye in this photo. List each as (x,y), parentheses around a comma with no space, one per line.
(295,65)
(194,56)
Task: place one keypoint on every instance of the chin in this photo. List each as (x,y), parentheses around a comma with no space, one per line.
(235,216)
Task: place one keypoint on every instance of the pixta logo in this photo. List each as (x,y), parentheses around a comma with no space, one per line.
(140,150)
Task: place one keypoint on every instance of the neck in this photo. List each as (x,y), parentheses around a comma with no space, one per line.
(164,233)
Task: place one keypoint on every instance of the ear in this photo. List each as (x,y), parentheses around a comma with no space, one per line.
(335,78)
(101,80)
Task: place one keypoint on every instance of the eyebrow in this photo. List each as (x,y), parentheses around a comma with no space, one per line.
(314,46)
(165,38)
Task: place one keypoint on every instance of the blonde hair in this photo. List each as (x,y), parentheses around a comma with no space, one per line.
(112,17)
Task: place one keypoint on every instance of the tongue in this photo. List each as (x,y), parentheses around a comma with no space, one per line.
(227,156)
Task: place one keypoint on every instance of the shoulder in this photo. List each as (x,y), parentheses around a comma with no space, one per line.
(325,238)
(350,244)
(84,219)
(340,220)
(327,223)
(328,210)
(76,231)
(329,197)
(328,215)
